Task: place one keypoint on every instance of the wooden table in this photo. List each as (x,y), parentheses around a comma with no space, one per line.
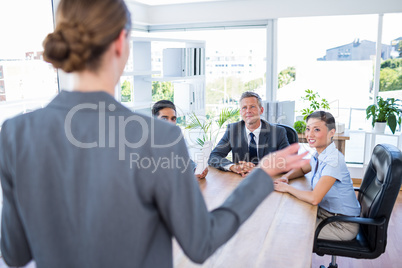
(339,139)
(278,234)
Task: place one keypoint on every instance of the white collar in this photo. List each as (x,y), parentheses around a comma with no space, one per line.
(256,132)
(327,151)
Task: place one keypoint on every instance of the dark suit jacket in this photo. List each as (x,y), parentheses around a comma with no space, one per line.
(272,138)
(88,183)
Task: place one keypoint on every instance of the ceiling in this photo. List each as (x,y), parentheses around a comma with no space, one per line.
(180,12)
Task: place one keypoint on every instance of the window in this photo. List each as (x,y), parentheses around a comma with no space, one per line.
(26,81)
(126,84)
(235,62)
(334,56)
(391,66)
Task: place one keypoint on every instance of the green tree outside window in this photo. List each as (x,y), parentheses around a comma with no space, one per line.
(391,75)
(126,91)
(162,91)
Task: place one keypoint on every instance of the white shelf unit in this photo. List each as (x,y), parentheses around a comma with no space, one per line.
(374,138)
(143,72)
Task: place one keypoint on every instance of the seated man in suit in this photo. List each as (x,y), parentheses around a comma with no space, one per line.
(166,110)
(249,140)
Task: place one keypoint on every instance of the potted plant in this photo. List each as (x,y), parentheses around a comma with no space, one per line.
(210,129)
(226,115)
(300,126)
(315,103)
(388,112)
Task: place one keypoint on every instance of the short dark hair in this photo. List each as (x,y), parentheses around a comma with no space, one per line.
(249,94)
(162,104)
(327,117)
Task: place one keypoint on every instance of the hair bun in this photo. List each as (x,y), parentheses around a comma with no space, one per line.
(83,33)
(56,49)
(68,47)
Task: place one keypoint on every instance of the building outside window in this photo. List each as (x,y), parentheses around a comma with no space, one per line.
(26,81)
(335,56)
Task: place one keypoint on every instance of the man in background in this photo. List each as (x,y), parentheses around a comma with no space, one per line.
(249,140)
(166,110)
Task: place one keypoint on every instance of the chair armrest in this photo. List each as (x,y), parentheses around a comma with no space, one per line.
(357,189)
(360,220)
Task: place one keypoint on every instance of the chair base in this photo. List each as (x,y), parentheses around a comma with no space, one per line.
(332,264)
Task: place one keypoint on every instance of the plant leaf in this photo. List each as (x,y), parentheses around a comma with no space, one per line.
(391,120)
(200,142)
(194,122)
(226,115)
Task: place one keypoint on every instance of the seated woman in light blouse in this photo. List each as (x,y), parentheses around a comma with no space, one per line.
(332,187)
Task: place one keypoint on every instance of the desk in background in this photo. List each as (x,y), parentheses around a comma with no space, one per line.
(339,139)
(278,234)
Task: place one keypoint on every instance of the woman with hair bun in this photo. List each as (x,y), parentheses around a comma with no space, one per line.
(332,187)
(88,183)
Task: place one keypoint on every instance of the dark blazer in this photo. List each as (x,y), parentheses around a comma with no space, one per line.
(272,138)
(88,183)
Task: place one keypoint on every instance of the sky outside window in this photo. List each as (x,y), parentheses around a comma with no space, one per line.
(27,81)
(301,41)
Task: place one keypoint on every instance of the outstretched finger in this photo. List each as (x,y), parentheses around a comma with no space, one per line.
(296,161)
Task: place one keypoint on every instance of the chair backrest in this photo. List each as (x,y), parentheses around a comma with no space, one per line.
(380,187)
(290,133)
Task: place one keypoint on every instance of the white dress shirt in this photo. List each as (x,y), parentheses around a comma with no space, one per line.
(256,133)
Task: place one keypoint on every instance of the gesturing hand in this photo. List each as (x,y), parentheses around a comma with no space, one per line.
(283,160)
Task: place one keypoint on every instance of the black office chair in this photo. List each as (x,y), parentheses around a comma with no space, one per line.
(290,133)
(377,195)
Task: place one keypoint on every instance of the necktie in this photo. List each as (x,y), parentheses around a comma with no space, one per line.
(252,149)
